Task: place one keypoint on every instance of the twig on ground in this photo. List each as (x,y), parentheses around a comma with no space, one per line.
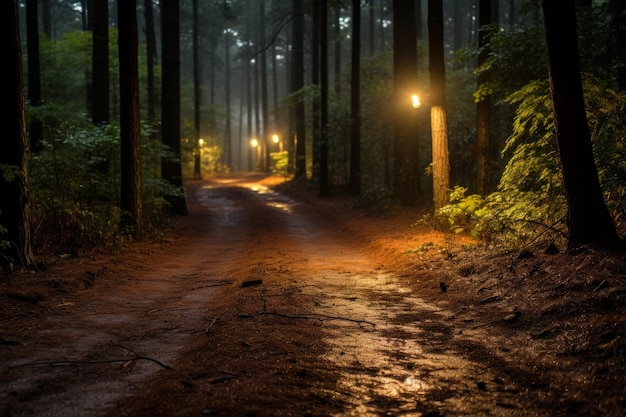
(320,317)
(68,362)
(211,325)
(215,284)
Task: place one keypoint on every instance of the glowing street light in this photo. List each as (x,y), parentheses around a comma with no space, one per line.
(254,142)
(276,140)
(200,141)
(416,101)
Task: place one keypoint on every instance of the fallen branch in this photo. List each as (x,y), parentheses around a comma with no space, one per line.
(68,362)
(215,284)
(320,317)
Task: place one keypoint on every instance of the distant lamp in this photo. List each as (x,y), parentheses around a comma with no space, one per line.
(200,141)
(254,143)
(275,138)
(416,101)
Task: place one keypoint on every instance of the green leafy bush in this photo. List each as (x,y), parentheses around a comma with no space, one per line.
(530,201)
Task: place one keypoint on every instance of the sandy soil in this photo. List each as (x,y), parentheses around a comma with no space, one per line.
(268,301)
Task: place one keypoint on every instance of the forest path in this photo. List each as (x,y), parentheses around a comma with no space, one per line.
(264,305)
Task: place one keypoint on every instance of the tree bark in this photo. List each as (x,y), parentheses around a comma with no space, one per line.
(265,138)
(324,180)
(228,137)
(15,205)
(439,129)
(315,82)
(171,170)
(483,107)
(151,57)
(35,128)
(297,84)
(406,178)
(197,97)
(130,137)
(355,101)
(589,220)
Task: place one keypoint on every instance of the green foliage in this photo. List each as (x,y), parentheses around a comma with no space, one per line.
(607,123)
(281,162)
(530,199)
(498,219)
(530,202)
(9,173)
(75,183)
(65,62)
(483,91)
(515,57)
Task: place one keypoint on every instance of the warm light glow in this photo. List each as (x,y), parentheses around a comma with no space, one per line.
(416,101)
(275,138)
(254,143)
(201,141)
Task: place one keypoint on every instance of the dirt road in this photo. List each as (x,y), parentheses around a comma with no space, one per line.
(264,306)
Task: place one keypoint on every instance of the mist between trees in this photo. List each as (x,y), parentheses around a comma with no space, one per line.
(116,106)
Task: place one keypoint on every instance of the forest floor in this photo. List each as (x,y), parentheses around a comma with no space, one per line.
(267,301)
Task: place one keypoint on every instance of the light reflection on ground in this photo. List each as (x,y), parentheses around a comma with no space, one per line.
(393,352)
(269,196)
(403,362)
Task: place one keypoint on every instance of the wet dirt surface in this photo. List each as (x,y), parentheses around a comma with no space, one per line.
(267,304)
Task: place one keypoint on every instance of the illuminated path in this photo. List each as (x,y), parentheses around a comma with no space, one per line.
(320,325)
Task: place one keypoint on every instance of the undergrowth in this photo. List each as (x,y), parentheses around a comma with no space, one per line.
(530,202)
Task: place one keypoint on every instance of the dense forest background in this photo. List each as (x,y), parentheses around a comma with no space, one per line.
(253,97)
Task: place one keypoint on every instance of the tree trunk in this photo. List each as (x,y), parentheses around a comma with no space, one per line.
(259,161)
(15,206)
(324,181)
(171,170)
(298,84)
(35,129)
(151,52)
(100,63)
(249,122)
(228,138)
(406,176)
(355,101)
(589,220)
(265,139)
(441,164)
(315,82)
(130,137)
(337,45)
(197,160)
(483,107)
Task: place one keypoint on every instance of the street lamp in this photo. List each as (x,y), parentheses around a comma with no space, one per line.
(254,142)
(415,101)
(197,163)
(277,141)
